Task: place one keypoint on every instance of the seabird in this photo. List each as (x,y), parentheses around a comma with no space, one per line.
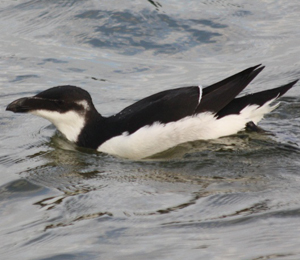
(158,122)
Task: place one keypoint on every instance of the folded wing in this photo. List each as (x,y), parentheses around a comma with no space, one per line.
(175,104)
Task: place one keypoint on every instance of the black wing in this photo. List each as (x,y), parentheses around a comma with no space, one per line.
(164,107)
(217,96)
(175,104)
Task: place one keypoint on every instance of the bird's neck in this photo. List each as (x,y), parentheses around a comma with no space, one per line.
(94,132)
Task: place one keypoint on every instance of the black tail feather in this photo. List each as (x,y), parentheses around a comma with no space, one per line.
(260,98)
(217,96)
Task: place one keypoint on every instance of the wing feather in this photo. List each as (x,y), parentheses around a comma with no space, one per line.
(164,107)
(175,104)
(218,95)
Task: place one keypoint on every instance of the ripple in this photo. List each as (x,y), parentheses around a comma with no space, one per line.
(200,200)
(20,188)
(9,160)
(130,35)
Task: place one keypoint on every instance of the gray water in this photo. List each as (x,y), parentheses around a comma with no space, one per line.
(233,198)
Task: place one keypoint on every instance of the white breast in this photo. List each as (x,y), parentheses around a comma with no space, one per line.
(69,124)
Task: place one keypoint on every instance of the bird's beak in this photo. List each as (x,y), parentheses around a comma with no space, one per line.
(22,105)
(30,104)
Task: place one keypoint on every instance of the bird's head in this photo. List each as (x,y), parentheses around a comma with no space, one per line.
(66,107)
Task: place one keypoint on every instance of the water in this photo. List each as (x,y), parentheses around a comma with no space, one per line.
(233,198)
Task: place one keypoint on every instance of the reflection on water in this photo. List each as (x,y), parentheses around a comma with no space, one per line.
(232,198)
(155,3)
(132,33)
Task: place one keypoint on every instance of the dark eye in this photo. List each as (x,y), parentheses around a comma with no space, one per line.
(59,105)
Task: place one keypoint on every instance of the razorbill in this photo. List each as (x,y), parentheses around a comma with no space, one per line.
(158,122)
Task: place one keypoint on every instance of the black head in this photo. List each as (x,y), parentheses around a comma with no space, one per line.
(59,99)
(66,93)
(69,108)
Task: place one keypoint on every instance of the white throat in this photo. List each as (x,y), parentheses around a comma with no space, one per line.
(69,124)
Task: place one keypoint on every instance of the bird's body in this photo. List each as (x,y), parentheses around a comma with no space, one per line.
(155,123)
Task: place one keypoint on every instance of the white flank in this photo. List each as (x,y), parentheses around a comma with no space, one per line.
(257,113)
(150,140)
(69,124)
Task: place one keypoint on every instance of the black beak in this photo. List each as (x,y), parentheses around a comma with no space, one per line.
(28,104)
(21,105)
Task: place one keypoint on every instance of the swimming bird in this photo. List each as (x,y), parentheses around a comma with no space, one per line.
(157,122)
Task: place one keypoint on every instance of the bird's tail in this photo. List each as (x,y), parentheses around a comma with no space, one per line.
(259,99)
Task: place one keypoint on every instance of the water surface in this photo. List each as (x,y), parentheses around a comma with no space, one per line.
(232,198)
